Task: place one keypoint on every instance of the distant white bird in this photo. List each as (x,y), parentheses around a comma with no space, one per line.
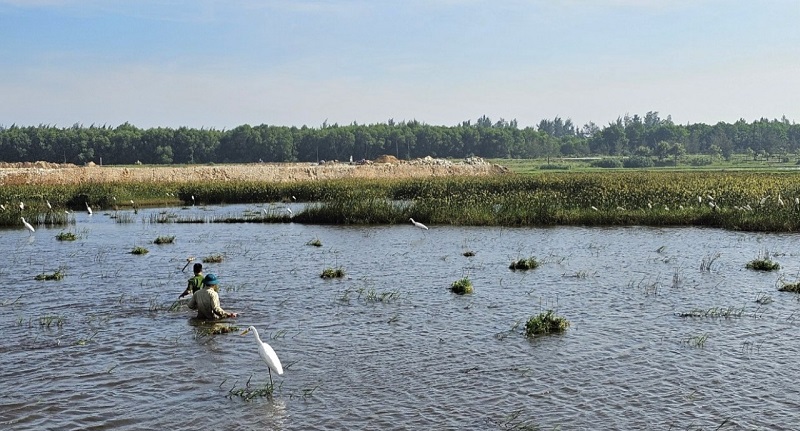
(267,354)
(594,207)
(48,204)
(780,201)
(700,199)
(27,225)
(649,205)
(289,210)
(22,206)
(418,224)
(666,208)
(192,200)
(2,207)
(88,208)
(620,208)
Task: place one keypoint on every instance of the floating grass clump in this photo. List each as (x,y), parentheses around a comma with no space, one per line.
(763,264)
(139,250)
(164,240)
(524,264)
(66,236)
(462,286)
(545,323)
(715,312)
(58,275)
(217,329)
(790,287)
(214,258)
(332,273)
(469,253)
(315,242)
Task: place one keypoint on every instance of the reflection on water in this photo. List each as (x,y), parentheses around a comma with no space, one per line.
(388,346)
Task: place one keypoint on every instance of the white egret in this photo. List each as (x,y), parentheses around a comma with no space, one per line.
(88,208)
(594,207)
(192,200)
(418,224)
(2,207)
(22,206)
(267,354)
(48,204)
(27,225)
(289,210)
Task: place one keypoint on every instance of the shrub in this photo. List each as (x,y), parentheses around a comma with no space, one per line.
(66,236)
(764,264)
(164,240)
(139,250)
(332,273)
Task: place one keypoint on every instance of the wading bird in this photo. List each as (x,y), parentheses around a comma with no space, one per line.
(88,208)
(27,225)
(418,224)
(48,204)
(267,354)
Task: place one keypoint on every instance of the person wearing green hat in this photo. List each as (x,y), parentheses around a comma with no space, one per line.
(206,300)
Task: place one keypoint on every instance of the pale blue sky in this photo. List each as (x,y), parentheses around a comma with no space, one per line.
(219,64)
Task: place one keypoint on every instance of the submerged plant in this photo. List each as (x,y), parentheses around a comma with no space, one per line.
(545,323)
(462,286)
(66,236)
(332,273)
(164,240)
(139,250)
(524,264)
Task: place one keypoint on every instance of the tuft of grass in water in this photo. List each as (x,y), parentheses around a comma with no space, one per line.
(524,264)
(124,217)
(66,236)
(332,273)
(790,287)
(164,240)
(714,312)
(763,264)
(469,253)
(545,323)
(371,295)
(315,242)
(50,320)
(139,250)
(764,299)
(58,275)
(214,258)
(462,286)
(249,392)
(708,260)
(217,329)
(698,341)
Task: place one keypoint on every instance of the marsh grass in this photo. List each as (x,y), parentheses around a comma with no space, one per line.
(51,320)
(524,264)
(66,236)
(214,258)
(763,264)
(697,341)
(764,299)
(250,392)
(369,295)
(545,323)
(164,240)
(707,262)
(57,275)
(123,217)
(790,287)
(139,250)
(462,286)
(332,273)
(217,329)
(714,312)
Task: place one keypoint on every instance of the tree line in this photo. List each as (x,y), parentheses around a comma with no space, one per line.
(648,136)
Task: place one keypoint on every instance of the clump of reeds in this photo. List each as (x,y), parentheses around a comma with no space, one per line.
(66,236)
(790,287)
(124,217)
(164,240)
(462,286)
(315,242)
(371,295)
(139,250)
(249,392)
(332,273)
(58,275)
(763,264)
(524,264)
(49,320)
(217,329)
(214,258)
(545,323)
(469,253)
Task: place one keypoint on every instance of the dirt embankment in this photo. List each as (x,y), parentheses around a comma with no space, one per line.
(384,167)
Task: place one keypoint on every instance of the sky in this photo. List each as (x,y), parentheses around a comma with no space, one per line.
(224,63)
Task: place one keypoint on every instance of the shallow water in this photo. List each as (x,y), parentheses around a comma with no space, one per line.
(100,349)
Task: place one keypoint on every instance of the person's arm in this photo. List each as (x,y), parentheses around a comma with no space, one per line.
(217,309)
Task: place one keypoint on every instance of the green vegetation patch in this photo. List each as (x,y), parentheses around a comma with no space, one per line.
(764,264)
(332,273)
(214,258)
(66,236)
(462,286)
(139,250)
(164,240)
(790,287)
(524,264)
(545,323)
(58,275)
(315,242)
